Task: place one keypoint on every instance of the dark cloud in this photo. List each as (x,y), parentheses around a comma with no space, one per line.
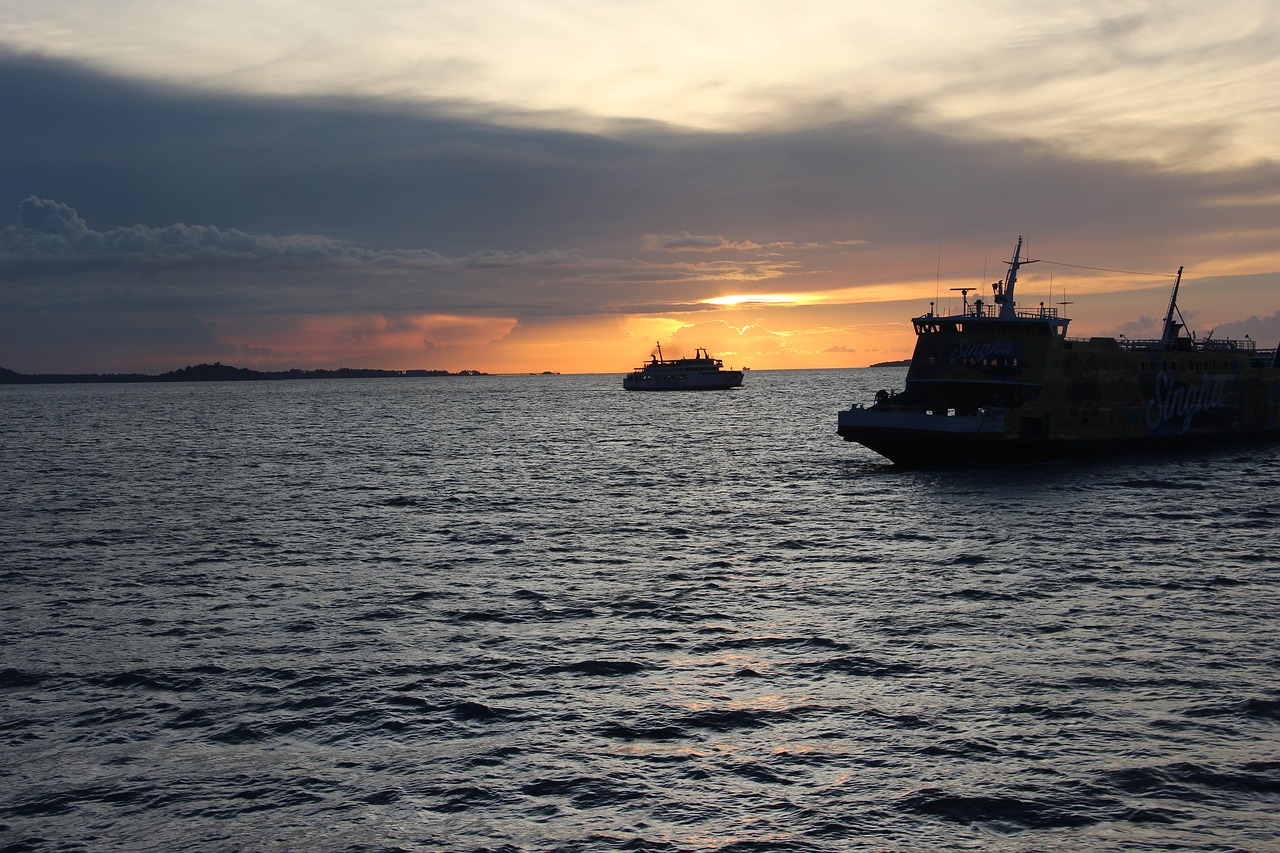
(108,341)
(1264,330)
(401,176)
(139,197)
(51,238)
(44,218)
(51,231)
(1141,328)
(383,176)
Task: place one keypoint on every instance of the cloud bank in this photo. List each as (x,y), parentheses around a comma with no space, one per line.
(134,205)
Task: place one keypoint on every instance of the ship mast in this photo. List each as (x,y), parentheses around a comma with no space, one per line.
(1004,289)
(1171,328)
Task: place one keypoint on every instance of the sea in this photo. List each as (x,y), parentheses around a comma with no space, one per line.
(540,613)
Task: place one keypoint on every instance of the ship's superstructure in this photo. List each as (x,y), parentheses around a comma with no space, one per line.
(700,373)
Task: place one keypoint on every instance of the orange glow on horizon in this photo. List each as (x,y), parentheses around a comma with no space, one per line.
(839,327)
(759,336)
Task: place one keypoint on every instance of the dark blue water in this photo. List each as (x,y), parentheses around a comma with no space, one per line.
(543,614)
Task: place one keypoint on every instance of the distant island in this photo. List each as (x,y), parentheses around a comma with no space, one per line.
(219,372)
(906,362)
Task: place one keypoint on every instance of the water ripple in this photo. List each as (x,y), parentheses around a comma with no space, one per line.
(538,614)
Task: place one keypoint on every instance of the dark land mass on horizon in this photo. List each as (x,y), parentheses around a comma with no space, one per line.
(219,372)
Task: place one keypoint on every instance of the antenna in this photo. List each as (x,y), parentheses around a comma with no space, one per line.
(937,280)
(964,294)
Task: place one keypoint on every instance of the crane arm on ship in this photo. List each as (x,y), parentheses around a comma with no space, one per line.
(1170,327)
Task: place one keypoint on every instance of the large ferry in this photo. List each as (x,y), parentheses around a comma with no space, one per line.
(700,373)
(996,383)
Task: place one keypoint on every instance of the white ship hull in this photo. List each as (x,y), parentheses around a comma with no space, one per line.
(700,373)
(713,381)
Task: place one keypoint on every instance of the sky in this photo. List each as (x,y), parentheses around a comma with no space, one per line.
(558,185)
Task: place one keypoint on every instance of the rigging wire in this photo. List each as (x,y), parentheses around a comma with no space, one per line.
(1104,269)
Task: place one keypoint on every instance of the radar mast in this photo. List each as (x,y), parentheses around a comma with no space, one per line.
(1004,289)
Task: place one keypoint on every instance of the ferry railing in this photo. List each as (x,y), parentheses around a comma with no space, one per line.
(984,310)
(1210,345)
(1207,345)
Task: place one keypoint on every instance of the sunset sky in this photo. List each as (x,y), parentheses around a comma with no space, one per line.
(529,185)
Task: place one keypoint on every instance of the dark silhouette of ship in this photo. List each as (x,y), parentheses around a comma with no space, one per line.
(994,383)
(700,373)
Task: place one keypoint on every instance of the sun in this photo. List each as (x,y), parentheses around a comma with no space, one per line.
(760,299)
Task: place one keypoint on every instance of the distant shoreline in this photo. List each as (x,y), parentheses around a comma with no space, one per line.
(219,372)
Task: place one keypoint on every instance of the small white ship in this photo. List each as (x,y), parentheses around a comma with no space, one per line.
(700,373)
